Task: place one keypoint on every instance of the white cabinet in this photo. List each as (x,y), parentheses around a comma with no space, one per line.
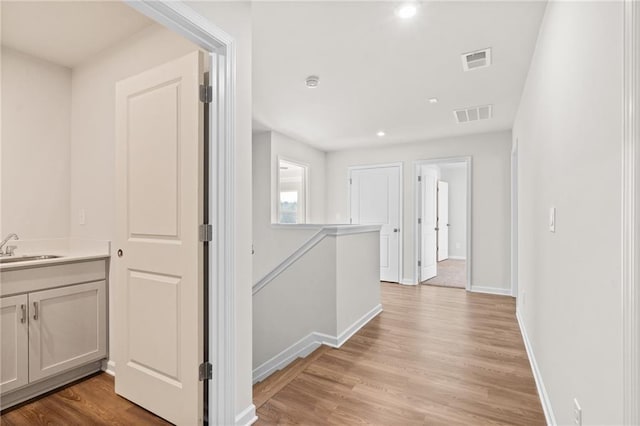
(53,327)
(14,346)
(67,328)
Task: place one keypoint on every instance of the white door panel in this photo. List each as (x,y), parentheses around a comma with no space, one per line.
(428,252)
(443,220)
(159,326)
(14,344)
(375,200)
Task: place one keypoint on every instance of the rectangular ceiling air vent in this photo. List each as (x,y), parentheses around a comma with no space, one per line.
(483,112)
(477,59)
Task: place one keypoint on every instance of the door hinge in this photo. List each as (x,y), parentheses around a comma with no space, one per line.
(205,371)
(206,232)
(350,181)
(419,178)
(419,221)
(206,94)
(419,262)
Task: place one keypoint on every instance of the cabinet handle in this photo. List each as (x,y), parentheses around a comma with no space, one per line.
(35,310)
(23,308)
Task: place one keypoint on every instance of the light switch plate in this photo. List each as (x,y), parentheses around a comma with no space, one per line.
(577,412)
(552,219)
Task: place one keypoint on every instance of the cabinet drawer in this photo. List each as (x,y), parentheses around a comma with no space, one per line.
(26,280)
(67,328)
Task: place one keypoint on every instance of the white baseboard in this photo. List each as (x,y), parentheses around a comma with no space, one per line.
(406,281)
(109,367)
(353,329)
(458,257)
(310,343)
(247,416)
(542,392)
(491,290)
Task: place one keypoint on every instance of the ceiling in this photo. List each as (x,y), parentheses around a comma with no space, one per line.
(49,29)
(378,71)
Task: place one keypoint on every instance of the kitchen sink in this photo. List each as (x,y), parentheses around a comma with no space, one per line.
(14,259)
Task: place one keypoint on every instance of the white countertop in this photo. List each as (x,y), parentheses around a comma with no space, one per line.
(69,250)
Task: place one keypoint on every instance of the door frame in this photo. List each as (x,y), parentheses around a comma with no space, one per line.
(400,165)
(417,201)
(514,219)
(631,215)
(220,286)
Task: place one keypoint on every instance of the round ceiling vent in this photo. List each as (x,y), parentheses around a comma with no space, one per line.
(312,81)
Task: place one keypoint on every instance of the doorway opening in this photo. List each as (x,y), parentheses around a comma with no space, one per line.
(443,231)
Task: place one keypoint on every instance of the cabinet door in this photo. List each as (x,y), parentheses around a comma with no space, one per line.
(67,328)
(14,345)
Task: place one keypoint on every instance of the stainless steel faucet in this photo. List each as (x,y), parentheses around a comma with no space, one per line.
(5,241)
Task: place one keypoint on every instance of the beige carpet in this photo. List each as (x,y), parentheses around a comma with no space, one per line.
(451,273)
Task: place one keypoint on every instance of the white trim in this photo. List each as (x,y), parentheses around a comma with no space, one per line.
(361,322)
(310,343)
(247,416)
(631,215)
(406,281)
(468,162)
(110,368)
(458,257)
(183,20)
(331,230)
(491,290)
(399,164)
(542,392)
(514,218)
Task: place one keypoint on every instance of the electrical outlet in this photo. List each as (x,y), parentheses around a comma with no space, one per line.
(552,219)
(577,413)
(82,217)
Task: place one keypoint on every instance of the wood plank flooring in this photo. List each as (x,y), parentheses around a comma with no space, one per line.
(434,356)
(87,402)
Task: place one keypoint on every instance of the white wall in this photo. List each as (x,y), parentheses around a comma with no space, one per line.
(456,177)
(267,147)
(235,19)
(36,120)
(490,154)
(569,132)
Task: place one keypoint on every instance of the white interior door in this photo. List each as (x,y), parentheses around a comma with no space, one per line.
(443,220)
(159,287)
(429,234)
(375,199)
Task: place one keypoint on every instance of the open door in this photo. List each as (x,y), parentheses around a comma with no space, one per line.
(443,220)
(159,327)
(429,225)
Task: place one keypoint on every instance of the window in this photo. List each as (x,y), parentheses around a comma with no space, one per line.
(292,192)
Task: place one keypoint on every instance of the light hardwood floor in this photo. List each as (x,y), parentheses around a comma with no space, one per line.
(88,402)
(434,356)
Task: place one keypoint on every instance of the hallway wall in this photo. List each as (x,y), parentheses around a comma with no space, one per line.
(569,133)
(491,176)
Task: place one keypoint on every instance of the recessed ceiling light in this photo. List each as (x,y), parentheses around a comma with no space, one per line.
(433,100)
(312,81)
(381,133)
(407,10)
